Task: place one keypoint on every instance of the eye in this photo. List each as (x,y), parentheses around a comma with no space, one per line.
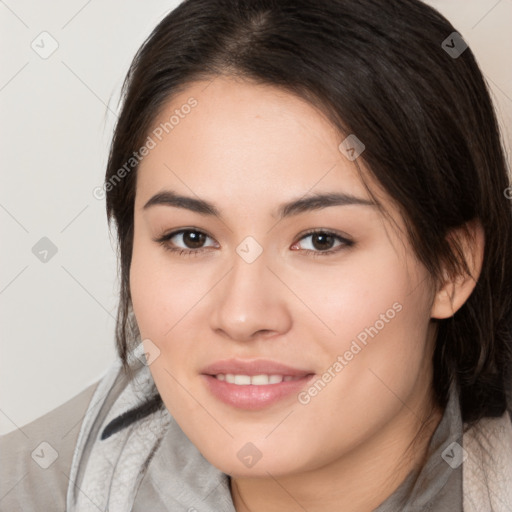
(193,240)
(322,242)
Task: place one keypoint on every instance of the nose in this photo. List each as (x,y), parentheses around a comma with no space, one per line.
(251,302)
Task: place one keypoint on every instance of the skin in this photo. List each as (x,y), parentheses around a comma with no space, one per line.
(248,148)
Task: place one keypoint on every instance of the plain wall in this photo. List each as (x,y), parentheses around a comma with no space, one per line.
(57,115)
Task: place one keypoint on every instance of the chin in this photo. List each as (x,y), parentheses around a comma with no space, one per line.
(253,459)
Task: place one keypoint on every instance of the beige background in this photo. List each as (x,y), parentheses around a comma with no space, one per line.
(57,318)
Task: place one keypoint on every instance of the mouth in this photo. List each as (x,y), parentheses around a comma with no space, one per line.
(253,385)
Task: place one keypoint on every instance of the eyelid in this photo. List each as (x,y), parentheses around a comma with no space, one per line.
(327,231)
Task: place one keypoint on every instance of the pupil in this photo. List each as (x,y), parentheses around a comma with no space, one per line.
(326,238)
(195,239)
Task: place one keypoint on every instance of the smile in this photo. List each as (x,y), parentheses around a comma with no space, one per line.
(255,380)
(253,384)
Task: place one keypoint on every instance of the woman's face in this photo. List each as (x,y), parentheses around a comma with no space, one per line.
(276,350)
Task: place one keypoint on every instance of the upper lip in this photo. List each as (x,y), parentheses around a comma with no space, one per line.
(252,367)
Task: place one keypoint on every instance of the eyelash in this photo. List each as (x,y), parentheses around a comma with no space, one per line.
(164,241)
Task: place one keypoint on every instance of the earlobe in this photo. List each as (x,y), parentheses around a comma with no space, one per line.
(455,291)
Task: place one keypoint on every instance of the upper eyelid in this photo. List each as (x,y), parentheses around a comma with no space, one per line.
(173,233)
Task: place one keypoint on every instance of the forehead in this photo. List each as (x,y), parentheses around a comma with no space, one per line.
(245,140)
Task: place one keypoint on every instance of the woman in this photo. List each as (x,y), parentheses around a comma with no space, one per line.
(253,375)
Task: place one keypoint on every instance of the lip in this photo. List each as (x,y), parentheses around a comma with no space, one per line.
(253,397)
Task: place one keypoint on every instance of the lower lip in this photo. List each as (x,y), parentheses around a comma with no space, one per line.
(253,397)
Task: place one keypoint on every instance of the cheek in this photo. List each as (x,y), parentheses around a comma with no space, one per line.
(161,297)
(377,360)
(145,287)
(369,289)
(378,315)
(161,293)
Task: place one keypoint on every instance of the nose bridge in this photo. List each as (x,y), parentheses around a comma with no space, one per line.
(248,280)
(248,266)
(248,300)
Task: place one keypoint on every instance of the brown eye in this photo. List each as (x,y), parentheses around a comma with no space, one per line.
(184,241)
(323,243)
(193,239)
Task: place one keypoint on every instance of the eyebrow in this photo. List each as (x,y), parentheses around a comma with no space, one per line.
(294,207)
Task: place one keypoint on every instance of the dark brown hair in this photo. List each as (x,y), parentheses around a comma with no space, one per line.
(378,70)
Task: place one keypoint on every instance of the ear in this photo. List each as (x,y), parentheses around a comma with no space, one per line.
(454,291)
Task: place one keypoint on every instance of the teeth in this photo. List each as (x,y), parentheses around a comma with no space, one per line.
(255,380)
(242,380)
(259,380)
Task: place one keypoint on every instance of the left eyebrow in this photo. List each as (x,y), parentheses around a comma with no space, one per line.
(288,209)
(320,201)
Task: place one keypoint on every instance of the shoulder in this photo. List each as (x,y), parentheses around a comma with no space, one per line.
(36,459)
(487,469)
